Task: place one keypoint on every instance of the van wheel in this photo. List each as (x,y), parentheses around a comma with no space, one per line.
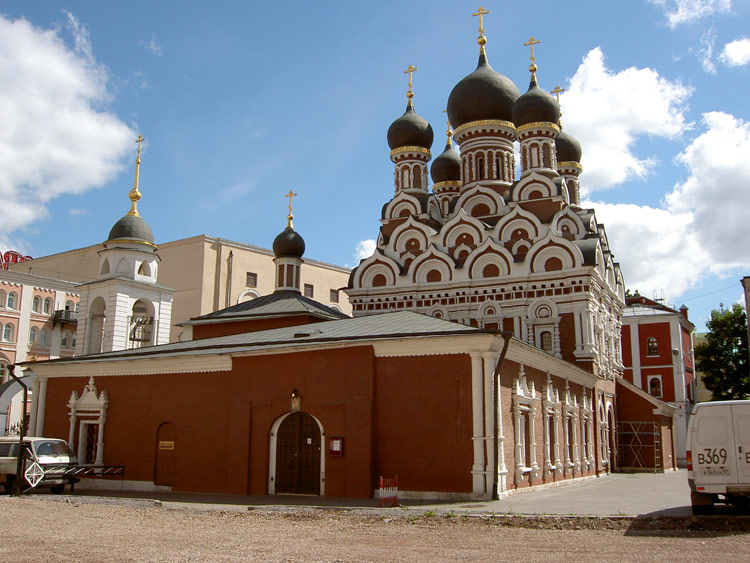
(703,504)
(57,489)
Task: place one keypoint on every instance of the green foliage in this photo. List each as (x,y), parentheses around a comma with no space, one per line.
(722,358)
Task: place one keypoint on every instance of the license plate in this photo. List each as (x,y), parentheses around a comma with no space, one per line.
(715,471)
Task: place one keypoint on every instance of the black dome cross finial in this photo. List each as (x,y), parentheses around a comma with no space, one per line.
(481,12)
(530,43)
(412,69)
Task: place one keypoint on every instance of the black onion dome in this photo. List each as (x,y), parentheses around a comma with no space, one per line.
(447,166)
(568,147)
(132,227)
(410,130)
(483,94)
(535,105)
(289,243)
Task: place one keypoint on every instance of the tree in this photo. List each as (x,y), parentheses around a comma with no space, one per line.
(722,358)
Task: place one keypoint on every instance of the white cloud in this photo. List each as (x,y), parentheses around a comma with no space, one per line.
(56,136)
(701,228)
(708,40)
(607,111)
(736,53)
(365,249)
(75,212)
(151,45)
(685,11)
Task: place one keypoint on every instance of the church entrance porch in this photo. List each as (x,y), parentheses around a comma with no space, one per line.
(298,458)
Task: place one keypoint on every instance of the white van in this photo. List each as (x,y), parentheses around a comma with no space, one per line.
(718,455)
(45,451)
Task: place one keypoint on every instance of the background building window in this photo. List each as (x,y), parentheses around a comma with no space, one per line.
(47,306)
(252,279)
(36,304)
(64,339)
(652,346)
(334,296)
(12,300)
(308,290)
(33,332)
(8,333)
(654,386)
(44,337)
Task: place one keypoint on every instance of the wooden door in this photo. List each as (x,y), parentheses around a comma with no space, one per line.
(166,464)
(298,455)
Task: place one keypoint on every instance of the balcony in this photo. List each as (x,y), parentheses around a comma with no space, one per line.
(65,317)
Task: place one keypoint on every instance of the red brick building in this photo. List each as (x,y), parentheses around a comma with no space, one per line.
(657,350)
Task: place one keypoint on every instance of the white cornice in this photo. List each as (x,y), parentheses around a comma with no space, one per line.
(145,366)
(436,346)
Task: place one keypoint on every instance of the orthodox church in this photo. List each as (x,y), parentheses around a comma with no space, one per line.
(481,358)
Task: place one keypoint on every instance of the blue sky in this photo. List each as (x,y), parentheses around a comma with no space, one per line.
(241,101)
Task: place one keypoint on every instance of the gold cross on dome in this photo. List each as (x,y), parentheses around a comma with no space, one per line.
(481,12)
(138,141)
(530,43)
(412,69)
(289,217)
(449,132)
(557,91)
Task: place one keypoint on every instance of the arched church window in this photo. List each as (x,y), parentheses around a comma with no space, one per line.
(546,156)
(498,168)
(405,178)
(652,346)
(480,168)
(546,341)
(417,176)
(144,269)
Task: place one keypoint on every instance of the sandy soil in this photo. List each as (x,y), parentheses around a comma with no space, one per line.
(39,528)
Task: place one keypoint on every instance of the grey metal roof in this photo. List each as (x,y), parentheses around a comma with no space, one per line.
(279,303)
(402,324)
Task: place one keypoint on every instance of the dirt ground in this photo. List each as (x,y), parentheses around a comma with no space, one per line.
(39,528)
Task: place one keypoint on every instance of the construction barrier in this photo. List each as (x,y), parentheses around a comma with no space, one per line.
(388,495)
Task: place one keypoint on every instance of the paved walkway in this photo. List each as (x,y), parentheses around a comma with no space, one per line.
(663,494)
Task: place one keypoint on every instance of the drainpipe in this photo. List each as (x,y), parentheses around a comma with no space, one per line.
(18,482)
(507,336)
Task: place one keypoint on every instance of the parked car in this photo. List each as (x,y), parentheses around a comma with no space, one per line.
(718,455)
(46,452)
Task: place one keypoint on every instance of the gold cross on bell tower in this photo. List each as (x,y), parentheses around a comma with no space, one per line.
(412,69)
(135,193)
(481,12)
(530,43)
(289,217)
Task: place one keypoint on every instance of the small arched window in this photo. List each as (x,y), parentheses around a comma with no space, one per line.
(652,346)
(2,299)
(654,386)
(36,304)
(105,267)
(69,305)
(64,339)
(144,269)
(12,297)
(77,306)
(8,333)
(33,333)
(480,168)
(47,306)
(44,337)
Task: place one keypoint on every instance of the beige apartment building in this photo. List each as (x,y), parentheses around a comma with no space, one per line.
(207,273)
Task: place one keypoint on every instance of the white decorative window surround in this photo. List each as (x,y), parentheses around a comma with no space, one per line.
(603,434)
(524,416)
(587,428)
(86,410)
(551,408)
(570,433)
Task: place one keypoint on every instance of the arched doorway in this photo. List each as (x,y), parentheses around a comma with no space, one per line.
(296,455)
(165,468)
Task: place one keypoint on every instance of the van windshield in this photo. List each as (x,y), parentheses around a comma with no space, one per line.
(52,447)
